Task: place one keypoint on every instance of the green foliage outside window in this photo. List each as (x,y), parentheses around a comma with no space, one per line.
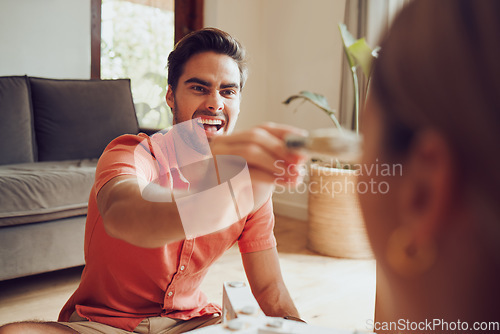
(135,43)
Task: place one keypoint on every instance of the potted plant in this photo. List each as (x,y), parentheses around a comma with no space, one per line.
(336,227)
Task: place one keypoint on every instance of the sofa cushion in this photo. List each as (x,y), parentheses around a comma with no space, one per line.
(16,121)
(76,119)
(40,191)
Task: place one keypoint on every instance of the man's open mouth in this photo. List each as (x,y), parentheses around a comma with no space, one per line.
(211,125)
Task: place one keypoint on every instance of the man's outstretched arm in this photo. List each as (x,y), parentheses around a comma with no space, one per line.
(128,216)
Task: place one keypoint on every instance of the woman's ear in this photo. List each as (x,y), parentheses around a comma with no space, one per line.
(425,205)
(170,97)
(428,187)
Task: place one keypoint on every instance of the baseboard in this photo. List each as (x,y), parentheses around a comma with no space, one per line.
(290,209)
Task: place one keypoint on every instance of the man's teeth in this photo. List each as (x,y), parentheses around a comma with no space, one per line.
(211,121)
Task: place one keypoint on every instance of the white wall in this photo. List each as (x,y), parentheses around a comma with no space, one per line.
(49,38)
(293,45)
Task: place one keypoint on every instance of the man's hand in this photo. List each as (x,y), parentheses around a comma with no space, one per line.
(270,162)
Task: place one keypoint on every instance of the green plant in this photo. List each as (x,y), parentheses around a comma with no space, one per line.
(360,57)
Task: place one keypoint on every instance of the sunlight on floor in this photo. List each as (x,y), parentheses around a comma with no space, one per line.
(328,292)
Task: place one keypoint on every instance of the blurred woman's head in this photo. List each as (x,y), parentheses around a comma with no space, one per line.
(434,108)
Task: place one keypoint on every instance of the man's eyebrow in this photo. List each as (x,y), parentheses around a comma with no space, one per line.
(230,85)
(198,81)
(208,84)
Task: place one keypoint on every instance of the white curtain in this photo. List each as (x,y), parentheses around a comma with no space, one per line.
(369,19)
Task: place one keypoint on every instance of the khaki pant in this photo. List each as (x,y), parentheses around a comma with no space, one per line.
(155,325)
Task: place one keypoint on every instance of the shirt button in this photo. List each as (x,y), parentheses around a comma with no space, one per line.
(170,294)
(182,268)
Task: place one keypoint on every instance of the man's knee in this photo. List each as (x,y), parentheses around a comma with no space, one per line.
(34,328)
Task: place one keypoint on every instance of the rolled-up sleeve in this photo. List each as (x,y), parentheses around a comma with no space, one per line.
(126,155)
(258,233)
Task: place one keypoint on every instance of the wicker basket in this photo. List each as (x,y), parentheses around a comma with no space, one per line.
(336,226)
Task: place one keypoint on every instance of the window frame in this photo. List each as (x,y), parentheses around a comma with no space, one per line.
(188,17)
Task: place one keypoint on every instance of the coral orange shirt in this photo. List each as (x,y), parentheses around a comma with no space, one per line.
(122,284)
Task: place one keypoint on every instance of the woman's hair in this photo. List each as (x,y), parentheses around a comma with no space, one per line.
(439,68)
(207,39)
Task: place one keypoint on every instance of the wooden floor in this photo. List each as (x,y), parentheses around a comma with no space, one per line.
(329,292)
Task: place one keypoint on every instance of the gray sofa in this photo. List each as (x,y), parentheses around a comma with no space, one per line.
(51,134)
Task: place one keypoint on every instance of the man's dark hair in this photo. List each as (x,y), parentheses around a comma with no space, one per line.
(207,39)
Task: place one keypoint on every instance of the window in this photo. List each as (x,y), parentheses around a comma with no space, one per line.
(132,39)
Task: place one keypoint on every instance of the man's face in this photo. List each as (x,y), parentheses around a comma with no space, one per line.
(209,89)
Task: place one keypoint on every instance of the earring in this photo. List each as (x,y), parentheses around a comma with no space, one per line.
(406,258)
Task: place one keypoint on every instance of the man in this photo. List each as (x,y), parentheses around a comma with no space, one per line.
(143,271)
